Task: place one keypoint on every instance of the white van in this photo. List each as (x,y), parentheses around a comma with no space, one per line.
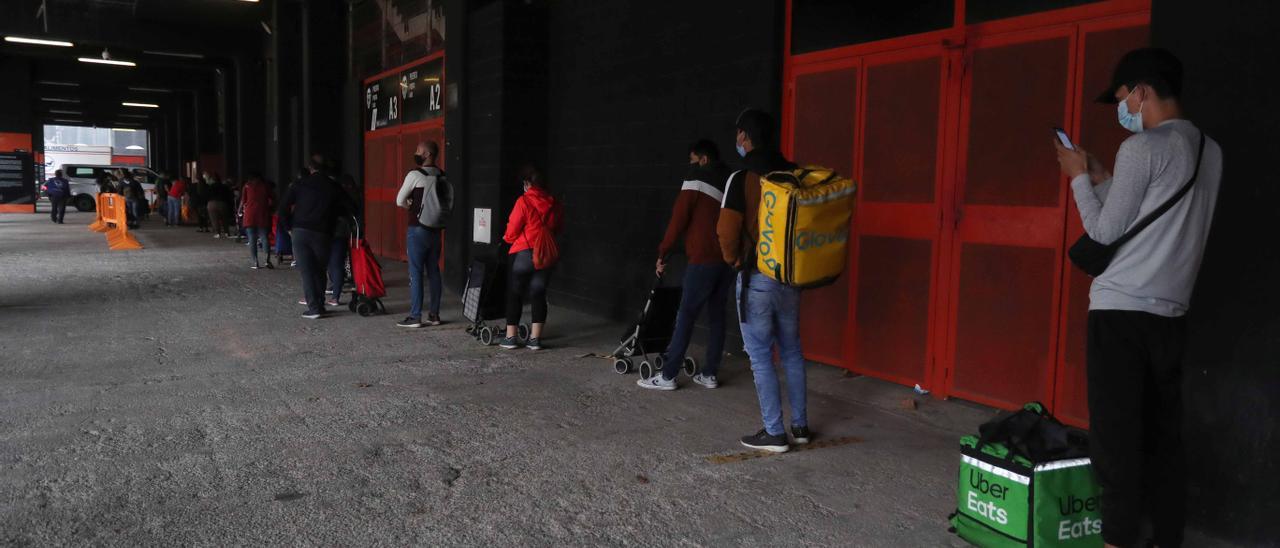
(84,182)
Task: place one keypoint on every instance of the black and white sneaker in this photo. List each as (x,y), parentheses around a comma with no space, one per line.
(533,344)
(509,343)
(763,441)
(801,434)
(432,320)
(313,315)
(410,322)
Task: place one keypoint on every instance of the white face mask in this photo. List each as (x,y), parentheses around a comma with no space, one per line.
(1128,120)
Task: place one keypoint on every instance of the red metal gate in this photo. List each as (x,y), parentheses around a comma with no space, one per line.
(957,275)
(388,156)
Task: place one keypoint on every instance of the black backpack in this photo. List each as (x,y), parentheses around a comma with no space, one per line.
(1033,433)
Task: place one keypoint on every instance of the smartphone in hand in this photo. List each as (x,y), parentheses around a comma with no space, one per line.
(1062,136)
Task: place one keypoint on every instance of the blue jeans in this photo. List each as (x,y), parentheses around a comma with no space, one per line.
(311,248)
(772,316)
(337,266)
(258,236)
(133,209)
(174,212)
(424,254)
(705,285)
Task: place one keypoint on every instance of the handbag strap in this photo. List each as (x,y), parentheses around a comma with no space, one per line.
(1167,205)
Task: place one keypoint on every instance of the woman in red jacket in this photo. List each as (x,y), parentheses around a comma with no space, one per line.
(258,202)
(534,212)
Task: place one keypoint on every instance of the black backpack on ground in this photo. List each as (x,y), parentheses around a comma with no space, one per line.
(1033,433)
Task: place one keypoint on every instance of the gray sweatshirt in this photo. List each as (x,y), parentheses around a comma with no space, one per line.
(1156,270)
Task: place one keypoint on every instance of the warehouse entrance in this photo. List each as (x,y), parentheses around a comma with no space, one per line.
(958,279)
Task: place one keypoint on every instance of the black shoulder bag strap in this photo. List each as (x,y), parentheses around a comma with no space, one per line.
(1168,204)
(1094,258)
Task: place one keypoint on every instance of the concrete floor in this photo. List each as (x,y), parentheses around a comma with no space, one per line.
(173,396)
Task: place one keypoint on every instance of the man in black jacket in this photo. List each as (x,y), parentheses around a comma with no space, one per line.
(314,203)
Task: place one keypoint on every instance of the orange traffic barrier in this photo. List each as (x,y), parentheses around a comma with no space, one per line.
(99,224)
(113,219)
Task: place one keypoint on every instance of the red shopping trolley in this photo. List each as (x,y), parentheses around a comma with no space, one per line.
(366,274)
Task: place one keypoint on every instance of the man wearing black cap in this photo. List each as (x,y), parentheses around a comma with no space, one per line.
(1137,331)
(768,311)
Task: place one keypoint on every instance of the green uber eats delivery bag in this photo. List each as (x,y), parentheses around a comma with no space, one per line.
(1026,480)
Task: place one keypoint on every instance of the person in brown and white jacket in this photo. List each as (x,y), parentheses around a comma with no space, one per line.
(707,279)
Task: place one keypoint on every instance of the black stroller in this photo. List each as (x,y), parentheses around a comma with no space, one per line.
(652,333)
(482,300)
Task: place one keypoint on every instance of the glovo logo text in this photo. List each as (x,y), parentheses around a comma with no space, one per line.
(765,247)
(807,240)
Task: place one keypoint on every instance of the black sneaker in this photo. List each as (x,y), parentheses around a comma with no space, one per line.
(432,320)
(533,344)
(763,441)
(801,434)
(313,315)
(509,343)
(411,322)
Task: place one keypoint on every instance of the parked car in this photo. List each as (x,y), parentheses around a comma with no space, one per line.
(84,182)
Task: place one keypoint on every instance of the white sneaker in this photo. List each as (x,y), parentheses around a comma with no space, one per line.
(706,381)
(656,382)
(217,236)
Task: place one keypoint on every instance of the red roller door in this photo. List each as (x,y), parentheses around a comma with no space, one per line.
(957,277)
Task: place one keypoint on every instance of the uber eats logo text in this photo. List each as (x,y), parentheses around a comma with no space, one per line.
(1072,529)
(766,232)
(987,509)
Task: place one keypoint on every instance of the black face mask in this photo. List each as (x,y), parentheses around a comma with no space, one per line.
(418,159)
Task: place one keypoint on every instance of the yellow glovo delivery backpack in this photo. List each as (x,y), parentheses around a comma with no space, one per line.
(803,226)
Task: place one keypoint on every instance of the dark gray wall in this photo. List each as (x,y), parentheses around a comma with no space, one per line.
(1233,362)
(630,85)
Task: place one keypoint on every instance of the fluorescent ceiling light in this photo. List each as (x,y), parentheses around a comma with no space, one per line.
(133,147)
(152,90)
(57,111)
(107,62)
(141,105)
(37,41)
(122,129)
(59,100)
(49,83)
(174,54)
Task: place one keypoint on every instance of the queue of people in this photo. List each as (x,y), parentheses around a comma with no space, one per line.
(1149,218)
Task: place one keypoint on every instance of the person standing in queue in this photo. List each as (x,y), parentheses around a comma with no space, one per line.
(134,197)
(429,198)
(257,202)
(707,279)
(200,201)
(314,204)
(1137,330)
(340,249)
(535,215)
(768,311)
(173,213)
(220,199)
(58,189)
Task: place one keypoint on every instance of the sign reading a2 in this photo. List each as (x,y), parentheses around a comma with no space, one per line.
(434,100)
